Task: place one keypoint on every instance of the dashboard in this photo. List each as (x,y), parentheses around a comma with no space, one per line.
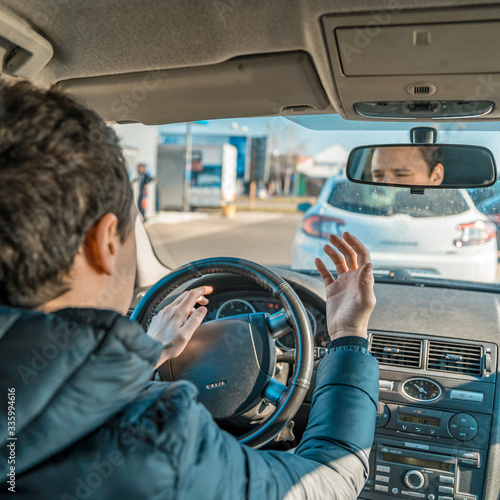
(438,423)
(225,304)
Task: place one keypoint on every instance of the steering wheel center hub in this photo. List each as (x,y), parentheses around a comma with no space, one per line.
(233,357)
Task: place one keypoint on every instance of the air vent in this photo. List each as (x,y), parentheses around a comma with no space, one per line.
(419,89)
(397,351)
(456,358)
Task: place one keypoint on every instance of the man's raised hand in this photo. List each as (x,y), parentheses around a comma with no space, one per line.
(350,298)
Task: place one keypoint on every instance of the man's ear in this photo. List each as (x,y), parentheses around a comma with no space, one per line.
(101,244)
(437,175)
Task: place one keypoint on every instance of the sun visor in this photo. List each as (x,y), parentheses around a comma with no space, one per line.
(417,66)
(421,49)
(254,86)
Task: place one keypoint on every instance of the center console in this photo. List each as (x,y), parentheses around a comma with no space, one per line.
(433,421)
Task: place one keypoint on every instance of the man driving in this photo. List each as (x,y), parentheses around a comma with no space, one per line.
(89,421)
(418,166)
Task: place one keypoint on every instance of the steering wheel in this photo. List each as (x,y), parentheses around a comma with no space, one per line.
(232,361)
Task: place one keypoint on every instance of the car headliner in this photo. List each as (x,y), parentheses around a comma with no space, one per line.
(125,36)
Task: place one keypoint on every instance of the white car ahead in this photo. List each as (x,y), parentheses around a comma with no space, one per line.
(394,224)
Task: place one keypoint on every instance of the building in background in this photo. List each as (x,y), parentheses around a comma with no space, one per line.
(222,165)
(312,172)
(216,160)
(212,179)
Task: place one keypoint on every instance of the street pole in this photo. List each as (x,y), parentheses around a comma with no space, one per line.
(187,168)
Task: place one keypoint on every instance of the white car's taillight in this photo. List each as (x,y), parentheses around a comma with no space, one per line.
(321,226)
(475,233)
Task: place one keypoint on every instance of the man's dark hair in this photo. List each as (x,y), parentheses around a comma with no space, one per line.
(61,170)
(432,155)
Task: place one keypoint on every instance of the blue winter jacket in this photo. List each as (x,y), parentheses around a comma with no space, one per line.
(90,424)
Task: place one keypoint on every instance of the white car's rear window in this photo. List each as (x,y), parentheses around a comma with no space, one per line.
(383,201)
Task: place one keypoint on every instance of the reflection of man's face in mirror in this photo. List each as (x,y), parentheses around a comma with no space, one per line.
(408,165)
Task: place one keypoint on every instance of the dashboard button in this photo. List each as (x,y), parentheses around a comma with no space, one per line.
(447,479)
(432,431)
(404,427)
(414,494)
(468,462)
(381,487)
(382,479)
(469,454)
(414,479)
(385,385)
(470,396)
(417,446)
(383,415)
(473,428)
(383,468)
(459,426)
(418,429)
(440,497)
(446,489)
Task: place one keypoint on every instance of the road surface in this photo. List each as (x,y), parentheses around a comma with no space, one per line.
(264,237)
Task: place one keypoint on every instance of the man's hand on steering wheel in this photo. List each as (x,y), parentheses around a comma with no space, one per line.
(350,298)
(175,324)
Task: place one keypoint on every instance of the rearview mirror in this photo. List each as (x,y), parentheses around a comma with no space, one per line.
(422,166)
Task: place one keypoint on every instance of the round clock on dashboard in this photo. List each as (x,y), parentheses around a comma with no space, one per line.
(421,389)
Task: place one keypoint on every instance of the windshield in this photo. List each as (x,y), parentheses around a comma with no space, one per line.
(272,189)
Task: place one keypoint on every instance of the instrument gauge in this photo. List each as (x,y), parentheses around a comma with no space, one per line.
(234,307)
(287,341)
(421,389)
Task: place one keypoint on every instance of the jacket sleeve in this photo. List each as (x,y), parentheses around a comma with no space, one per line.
(330,462)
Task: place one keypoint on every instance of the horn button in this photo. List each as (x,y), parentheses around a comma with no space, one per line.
(230,361)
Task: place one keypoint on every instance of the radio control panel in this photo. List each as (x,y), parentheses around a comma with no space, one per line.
(411,469)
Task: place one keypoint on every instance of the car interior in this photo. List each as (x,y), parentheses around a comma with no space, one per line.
(376,62)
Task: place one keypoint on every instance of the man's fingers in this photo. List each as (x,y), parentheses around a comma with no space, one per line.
(178,299)
(193,322)
(362,252)
(340,264)
(345,249)
(193,296)
(325,274)
(365,284)
(202,290)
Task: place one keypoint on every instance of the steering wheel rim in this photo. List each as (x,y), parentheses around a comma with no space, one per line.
(294,393)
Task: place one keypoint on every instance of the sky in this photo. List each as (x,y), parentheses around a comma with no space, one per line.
(291,136)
